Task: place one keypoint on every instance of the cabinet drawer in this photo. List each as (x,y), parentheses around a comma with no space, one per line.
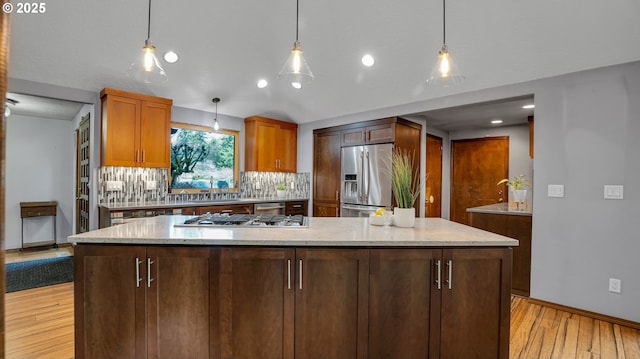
(37,211)
(295,208)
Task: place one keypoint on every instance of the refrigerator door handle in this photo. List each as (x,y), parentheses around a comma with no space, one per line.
(366,196)
(360,182)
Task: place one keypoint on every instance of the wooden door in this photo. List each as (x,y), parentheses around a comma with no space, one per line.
(83,172)
(404,304)
(476,167)
(326,174)
(256,302)
(110,308)
(155,141)
(381,133)
(433,187)
(120,131)
(181,319)
(265,150)
(476,299)
(331,309)
(287,148)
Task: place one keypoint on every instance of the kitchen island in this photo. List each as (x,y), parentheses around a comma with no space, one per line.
(340,288)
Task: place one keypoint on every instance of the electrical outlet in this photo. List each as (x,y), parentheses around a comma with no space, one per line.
(150,185)
(114,185)
(555,190)
(615,285)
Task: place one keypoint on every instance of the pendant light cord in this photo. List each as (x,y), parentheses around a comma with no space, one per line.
(444,21)
(149,22)
(297,12)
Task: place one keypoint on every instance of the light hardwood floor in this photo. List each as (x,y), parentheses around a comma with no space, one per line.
(39,324)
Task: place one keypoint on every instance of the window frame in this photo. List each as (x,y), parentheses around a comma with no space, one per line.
(236,154)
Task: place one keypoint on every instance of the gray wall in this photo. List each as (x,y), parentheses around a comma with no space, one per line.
(40,161)
(587,126)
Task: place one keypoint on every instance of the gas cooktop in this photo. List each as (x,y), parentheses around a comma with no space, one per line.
(245,221)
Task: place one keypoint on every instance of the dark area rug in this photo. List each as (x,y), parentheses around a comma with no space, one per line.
(38,273)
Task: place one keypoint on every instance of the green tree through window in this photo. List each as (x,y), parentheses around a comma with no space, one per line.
(201,159)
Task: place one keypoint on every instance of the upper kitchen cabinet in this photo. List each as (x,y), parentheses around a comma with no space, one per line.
(135,129)
(270,145)
(382,133)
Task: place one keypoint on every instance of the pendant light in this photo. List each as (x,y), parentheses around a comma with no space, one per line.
(147,67)
(445,73)
(296,70)
(216,125)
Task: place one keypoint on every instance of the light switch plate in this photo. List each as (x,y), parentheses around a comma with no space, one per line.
(613,192)
(114,185)
(555,190)
(150,185)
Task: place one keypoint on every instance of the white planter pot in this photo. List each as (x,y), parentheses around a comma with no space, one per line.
(519,195)
(404,217)
(281,193)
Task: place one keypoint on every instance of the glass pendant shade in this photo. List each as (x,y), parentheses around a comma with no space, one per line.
(445,73)
(296,70)
(216,125)
(147,67)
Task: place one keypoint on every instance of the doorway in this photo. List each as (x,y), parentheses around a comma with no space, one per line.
(83,134)
(476,167)
(433,185)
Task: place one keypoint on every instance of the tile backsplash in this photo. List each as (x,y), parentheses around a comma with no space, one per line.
(117,185)
(263,184)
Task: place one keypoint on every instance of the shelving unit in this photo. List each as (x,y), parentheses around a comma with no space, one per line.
(38,209)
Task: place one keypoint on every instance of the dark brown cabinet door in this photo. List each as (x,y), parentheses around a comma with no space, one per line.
(180,316)
(296,207)
(404,303)
(110,302)
(326,173)
(331,306)
(476,292)
(256,302)
(134,302)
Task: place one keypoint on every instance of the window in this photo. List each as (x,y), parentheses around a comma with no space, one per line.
(202,158)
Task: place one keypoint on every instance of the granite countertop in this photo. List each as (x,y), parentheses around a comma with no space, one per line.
(322,231)
(181,204)
(501,208)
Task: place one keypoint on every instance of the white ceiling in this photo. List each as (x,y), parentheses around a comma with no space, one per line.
(44,107)
(225,47)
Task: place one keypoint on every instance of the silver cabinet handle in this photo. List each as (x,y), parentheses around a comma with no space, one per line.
(149,279)
(450,267)
(301,274)
(138,279)
(438,274)
(144,156)
(337,196)
(288,273)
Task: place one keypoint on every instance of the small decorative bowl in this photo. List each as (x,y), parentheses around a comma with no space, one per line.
(376,220)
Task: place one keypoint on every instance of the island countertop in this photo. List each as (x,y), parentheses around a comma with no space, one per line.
(322,231)
(501,208)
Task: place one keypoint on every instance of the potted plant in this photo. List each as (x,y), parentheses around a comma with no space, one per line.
(406,187)
(516,184)
(281,190)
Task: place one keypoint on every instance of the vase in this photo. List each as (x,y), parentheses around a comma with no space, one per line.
(404,217)
(281,193)
(519,195)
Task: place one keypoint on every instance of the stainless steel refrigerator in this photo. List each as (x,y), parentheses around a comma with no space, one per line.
(365,179)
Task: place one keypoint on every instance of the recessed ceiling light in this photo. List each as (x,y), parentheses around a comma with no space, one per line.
(495,122)
(262,83)
(170,57)
(529,106)
(296,85)
(368,60)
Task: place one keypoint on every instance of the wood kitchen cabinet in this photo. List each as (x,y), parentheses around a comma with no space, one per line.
(439,303)
(513,226)
(270,145)
(326,173)
(328,142)
(306,303)
(141,302)
(135,129)
(293,208)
